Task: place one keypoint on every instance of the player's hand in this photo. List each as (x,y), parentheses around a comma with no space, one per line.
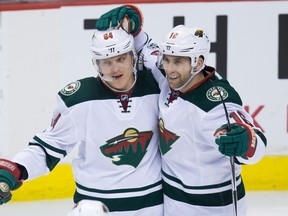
(239,141)
(129,17)
(9,179)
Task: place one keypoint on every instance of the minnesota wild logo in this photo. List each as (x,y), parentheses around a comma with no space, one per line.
(71,88)
(167,138)
(128,148)
(216,93)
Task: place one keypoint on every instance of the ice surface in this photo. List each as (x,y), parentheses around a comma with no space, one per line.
(268,203)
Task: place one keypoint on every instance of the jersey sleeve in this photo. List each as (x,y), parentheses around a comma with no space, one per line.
(47,148)
(33,158)
(140,41)
(147,51)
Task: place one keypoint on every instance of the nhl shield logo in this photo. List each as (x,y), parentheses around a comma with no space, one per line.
(213,94)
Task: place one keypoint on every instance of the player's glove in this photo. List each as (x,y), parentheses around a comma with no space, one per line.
(129,17)
(239,141)
(9,179)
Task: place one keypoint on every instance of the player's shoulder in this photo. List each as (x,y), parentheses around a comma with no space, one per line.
(223,87)
(78,85)
(213,93)
(83,90)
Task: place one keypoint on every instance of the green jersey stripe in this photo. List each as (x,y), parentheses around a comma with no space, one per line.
(46,145)
(197,187)
(119,190)
(127,203)
(222,198)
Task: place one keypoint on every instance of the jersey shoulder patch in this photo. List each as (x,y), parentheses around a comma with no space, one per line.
(207,96)
(71,88)
(83,90)
(217,93)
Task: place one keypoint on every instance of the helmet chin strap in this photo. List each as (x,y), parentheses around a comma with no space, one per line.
(193,74)
(111,79)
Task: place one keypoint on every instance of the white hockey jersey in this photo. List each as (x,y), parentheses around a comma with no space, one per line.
(118,161)
(196,176)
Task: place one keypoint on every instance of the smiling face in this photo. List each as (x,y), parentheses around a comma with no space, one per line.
(178,70)
(119,70)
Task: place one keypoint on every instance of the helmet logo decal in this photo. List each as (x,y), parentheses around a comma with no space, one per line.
(213,95)
(128,148)
(71,88)
(199,33)
(167,138)
(112,49)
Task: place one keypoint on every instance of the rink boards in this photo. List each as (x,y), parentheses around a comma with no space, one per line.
(271,173)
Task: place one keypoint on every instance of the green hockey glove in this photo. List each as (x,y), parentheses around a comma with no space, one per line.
(129,17)
(239,141)
(9,179)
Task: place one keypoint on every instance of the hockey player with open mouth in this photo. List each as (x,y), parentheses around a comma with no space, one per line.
(114,119)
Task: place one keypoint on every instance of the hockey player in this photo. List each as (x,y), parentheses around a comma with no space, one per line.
(196,137)
(202,127)
(114,118)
